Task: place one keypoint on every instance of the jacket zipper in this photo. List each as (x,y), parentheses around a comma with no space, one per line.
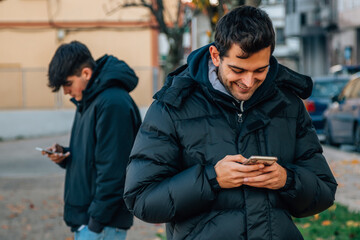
(257,136)
(239,114)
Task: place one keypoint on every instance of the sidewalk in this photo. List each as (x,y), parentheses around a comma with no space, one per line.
(31,188)
(32,209)
(31,194)
(19,124)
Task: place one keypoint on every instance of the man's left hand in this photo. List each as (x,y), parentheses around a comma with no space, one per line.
(273,177)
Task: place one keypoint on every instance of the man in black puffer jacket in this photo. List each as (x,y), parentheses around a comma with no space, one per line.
(231,101)
(103,133)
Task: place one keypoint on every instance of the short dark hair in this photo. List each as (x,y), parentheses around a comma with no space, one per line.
(248,27)
(68,60)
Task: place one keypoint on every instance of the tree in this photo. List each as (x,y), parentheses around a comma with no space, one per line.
(215,9)
(173,30)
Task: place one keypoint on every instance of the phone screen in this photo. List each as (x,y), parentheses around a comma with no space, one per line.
(266,160)
(44,150)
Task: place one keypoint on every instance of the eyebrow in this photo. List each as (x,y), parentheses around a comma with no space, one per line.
(239,68)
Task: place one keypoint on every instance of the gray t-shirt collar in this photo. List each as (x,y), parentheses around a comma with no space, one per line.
(214,79)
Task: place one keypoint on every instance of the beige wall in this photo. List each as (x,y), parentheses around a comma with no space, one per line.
(10,89)
(65,10)
(29,42)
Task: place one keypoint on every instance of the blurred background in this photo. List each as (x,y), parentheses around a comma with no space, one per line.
(314,37)
(318,38)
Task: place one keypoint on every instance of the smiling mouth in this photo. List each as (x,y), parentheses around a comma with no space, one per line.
(241,86)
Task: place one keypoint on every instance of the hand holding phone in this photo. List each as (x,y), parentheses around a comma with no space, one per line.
(44,150)
(57,155)
(266,160)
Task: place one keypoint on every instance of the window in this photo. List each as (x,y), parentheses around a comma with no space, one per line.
(288,7)
(280,36)
(303,19)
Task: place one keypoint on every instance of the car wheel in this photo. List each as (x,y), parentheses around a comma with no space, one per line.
(357,139)
(328,136)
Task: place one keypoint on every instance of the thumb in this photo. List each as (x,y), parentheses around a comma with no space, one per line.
(235,158)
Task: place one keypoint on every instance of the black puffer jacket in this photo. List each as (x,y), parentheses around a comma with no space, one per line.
(190,127)
(103,133)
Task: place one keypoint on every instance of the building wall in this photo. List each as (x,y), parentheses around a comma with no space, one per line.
(348,13)
(347,36)
(286,50)
(341,40)
(31,31)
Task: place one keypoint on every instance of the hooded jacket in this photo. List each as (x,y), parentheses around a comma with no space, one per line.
(191,126)
(103,132)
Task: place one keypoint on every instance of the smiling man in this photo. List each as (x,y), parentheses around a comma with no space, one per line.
(232,100)
(104,129)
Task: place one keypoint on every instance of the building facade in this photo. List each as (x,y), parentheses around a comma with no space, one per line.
(31,31)
(329,33)
(345,48)
(287,47)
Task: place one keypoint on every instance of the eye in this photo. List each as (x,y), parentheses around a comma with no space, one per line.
(237,71)
(260,70)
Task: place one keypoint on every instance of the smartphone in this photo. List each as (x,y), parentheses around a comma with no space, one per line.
(266,160)
(44,150)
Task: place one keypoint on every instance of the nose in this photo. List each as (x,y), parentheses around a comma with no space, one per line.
(248,79)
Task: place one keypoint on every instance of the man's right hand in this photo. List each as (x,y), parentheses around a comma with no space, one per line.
(59,154)
(231,173)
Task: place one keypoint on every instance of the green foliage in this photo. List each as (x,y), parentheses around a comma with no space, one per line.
(336,223)
(161,236)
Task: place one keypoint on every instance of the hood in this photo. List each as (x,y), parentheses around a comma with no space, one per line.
(109,72)
(198,68)
(180,83)
(301,85)
(278,76)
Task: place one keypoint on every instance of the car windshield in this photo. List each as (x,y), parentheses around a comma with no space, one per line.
(327,89)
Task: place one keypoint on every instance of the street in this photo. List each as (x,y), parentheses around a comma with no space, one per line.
(31,189)
(31,195)
(345,164)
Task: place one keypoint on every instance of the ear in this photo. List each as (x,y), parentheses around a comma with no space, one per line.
(215,55)
(86,72)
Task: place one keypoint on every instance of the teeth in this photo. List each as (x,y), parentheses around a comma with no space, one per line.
(240,86)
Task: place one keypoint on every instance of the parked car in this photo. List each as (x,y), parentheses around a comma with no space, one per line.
(342,118)
(344,69)
(324,89)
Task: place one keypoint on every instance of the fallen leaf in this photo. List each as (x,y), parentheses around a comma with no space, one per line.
(28,227)
(355,161)
(316,217)
(5,227)
(351,223)
(332,208)
(326,223)
(306,225)
(13,215)
(160,230)
(15,208)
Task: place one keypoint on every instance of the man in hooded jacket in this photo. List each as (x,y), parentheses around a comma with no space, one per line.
(230,101)
(103,132)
